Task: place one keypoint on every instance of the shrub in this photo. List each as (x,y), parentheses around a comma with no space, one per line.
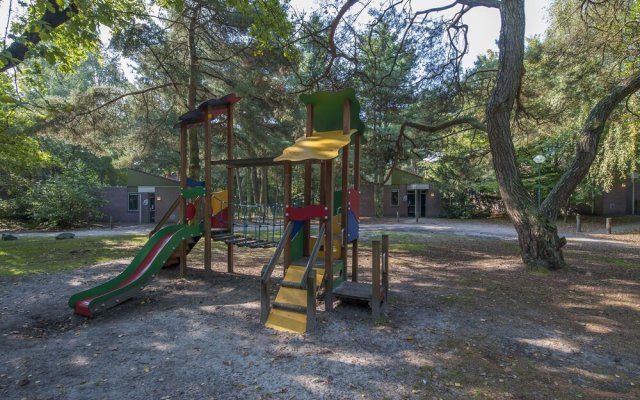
(65,200)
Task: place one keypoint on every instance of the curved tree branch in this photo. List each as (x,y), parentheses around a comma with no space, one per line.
(587,144)
(17,51)
(468,120)
(122,96)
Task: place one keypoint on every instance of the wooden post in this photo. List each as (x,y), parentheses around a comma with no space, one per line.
(385,269)
(375,279)
(356,187)
(308,173)
(229,184)
(110,221)
(311,301)
(608,225)
(344,220)
(265,298)
(183,201)
(207,192)
(578,223)
(328,240)
(288,169)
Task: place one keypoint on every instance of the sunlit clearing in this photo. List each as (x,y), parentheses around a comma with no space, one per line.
(163,346)
(596,328)
(554,344)
(589,374)
(80,361)
(622,300)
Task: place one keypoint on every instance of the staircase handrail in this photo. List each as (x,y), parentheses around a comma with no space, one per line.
(270,266)
(312,257)
(165,217)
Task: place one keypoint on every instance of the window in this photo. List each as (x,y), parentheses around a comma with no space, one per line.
(134,201)
(395,198)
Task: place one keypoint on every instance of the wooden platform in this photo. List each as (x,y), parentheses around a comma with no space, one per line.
(354,291)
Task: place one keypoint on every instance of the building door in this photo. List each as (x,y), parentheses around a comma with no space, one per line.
(423,203)
(411,203)
(152,208)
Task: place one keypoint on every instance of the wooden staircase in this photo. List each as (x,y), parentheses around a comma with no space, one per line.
(174,258)
(289,310)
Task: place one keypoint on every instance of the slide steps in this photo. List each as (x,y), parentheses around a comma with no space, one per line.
(289,310)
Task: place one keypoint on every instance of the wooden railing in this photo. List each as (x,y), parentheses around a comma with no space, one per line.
(166,216)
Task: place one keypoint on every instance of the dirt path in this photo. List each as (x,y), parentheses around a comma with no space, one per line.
(464,321)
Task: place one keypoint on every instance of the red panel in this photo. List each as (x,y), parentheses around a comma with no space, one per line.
(354,202)
(191,211)
(308,212)
(221,219)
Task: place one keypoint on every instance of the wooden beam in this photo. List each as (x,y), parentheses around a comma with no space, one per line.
(207,194)
(375,279)
(356,187)
(344,220)
(287,202)
(183,201)
(328,240)
(308,174)
(229,183)
(385,269)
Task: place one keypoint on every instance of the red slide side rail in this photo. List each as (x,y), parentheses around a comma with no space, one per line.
(308,212)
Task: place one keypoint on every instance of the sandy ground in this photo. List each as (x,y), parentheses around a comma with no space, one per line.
(464,321)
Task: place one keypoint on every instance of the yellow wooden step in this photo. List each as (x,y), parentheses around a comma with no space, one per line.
(295,273)
(287,321)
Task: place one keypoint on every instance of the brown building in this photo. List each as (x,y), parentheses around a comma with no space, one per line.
(145,198)
(623,199)
(410,195)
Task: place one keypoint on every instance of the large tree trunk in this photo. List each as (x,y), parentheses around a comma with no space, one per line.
(194,148)
(255,185)
(540,245)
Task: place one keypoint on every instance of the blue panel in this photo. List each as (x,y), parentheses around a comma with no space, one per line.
(194,183)
(353,232)
(297,225)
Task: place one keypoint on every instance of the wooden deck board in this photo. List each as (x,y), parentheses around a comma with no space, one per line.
(353,291)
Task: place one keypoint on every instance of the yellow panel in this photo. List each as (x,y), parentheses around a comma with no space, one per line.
(336,247)
(219,201)
(295,272)
(287,321)
(293,296)
(336,224)
(320,146)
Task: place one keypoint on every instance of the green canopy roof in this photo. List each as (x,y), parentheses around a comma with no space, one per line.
(327,110)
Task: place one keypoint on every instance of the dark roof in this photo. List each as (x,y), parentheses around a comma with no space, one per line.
(215,106)
(140,178)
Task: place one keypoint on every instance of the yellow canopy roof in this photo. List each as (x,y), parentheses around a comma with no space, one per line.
(320,146)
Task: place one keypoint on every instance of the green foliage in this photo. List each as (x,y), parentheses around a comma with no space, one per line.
(65,200)
(71,42)
(269,26)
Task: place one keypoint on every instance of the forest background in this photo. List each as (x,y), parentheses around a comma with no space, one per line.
(71,119)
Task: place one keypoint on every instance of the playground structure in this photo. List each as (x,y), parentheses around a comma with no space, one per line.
(315,255)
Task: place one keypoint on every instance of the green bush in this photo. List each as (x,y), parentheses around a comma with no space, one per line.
(65,200)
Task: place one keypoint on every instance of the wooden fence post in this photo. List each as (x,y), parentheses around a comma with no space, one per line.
(385,269)
(375,279)
(578,223)
(608,225)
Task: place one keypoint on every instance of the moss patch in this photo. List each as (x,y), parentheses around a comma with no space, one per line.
(37,255)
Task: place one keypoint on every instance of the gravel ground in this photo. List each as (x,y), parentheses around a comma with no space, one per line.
(464,321)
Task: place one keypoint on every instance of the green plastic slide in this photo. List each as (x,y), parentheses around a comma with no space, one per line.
(149,260)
